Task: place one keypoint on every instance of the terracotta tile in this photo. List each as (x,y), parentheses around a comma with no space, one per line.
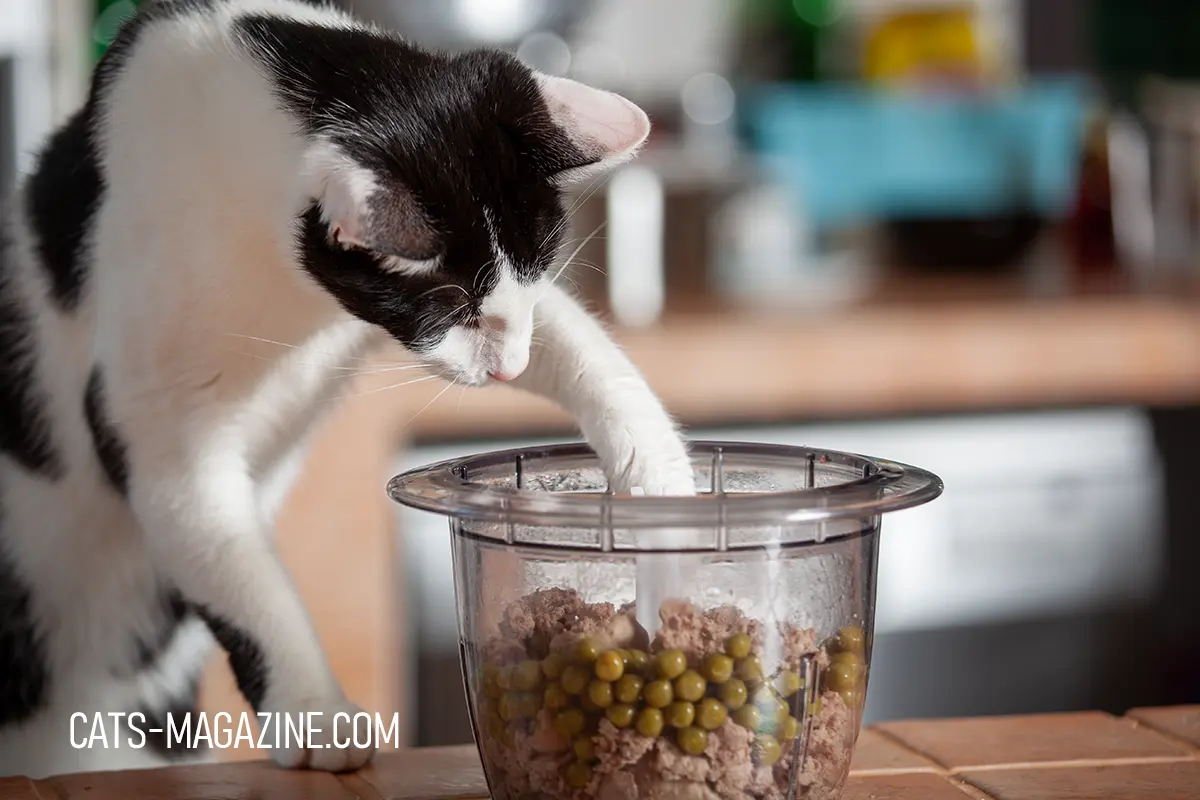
(875,752)
(910,786)
(251,780)
(428,773)
(1178,780)
(23,789)
(1036,738)
(1182,722)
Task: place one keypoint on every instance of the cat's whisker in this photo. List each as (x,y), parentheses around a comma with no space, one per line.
(377,390)
(478,273)
(449,315)
(425,407)
(576,204)
(385,366)
(589,265)
(291,346)
(568,261)
(425,294)
(352,373)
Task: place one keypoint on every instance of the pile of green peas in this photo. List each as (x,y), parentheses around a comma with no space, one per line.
(661,695)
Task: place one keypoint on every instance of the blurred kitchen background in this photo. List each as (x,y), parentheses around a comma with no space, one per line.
(959,233)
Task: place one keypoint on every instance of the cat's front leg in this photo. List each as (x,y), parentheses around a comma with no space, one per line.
(575,363)
(204,535)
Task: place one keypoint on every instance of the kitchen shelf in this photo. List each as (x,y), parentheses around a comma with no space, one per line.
(956,349)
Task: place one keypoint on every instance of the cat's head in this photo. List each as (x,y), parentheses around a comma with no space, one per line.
(437,189)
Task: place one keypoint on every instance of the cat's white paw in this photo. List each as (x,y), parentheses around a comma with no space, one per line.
(664,469)
(331,743)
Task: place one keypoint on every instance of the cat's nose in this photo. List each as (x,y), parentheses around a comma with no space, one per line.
(506,373)
(511,365)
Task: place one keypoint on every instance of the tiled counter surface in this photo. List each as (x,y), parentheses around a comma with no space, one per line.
(1150,754)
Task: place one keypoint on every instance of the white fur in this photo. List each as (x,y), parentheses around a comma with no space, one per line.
(193,274)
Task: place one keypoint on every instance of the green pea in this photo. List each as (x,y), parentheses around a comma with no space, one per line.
(588,650)
(718,667)
(850,639)
(680,714)
(733,693)
(840,675)
(600,693)
(750,669)
(621,715)
(569,723)
(575,679)
(552,666)
(585,748)
(738,645)
(850,696)
(555,697)
(650,722)
(845,657)
(671,664)
(638,660)
(689,686)
(609,666)
(788,682)
(507,706)
(504,677)
(790,729)
(526,676)
(628,689)
(579,775)
(692,740)
(748,717)
(527,705)
(658,694)
(766,750)
(710,714)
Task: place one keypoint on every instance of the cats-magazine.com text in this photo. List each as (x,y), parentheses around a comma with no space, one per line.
(222,730)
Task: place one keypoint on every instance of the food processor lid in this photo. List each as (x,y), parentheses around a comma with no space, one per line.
(738,483)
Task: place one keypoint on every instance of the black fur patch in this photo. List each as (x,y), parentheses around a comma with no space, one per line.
(109,446)
(162,726)
(62,197)
(24,673)
(25,432)
(459,137)
(174,610)
(245,657)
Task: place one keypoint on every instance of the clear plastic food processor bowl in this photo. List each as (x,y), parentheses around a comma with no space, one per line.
(746,676)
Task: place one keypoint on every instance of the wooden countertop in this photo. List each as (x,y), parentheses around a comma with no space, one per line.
(1150,753)
(969,346)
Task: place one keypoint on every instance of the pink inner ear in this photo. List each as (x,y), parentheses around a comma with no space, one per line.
(595,119)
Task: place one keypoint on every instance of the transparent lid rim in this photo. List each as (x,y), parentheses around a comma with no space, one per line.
(886,486)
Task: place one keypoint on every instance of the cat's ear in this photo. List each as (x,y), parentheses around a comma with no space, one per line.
(604,127)
(360,212)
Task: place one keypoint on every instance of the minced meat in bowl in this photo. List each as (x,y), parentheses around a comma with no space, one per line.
(575,700)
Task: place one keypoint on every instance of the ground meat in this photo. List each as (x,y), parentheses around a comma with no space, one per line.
(698,633)
(564,731)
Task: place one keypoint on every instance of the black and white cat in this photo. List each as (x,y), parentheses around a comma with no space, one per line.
(270,170)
